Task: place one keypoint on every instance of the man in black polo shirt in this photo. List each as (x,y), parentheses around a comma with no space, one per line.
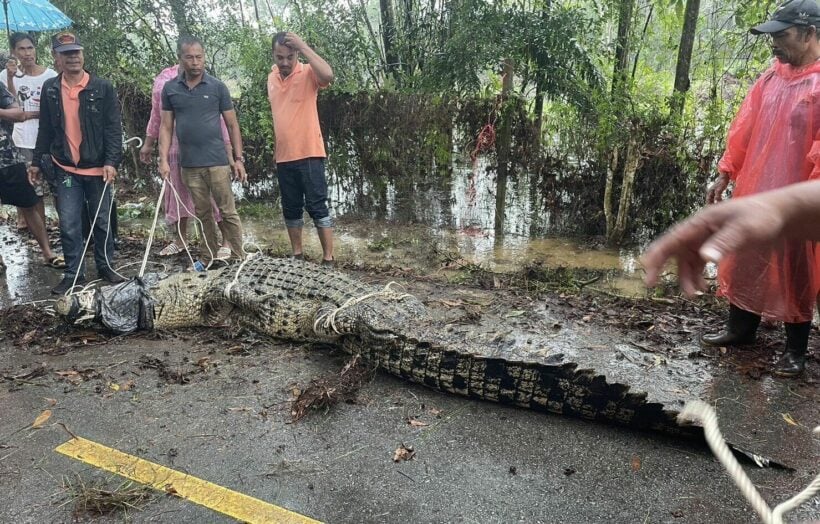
(194,102)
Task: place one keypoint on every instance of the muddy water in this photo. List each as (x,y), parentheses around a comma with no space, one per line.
(26,278)
(447,217)
(450,216)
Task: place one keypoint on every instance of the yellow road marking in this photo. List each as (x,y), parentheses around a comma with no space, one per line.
(217,498)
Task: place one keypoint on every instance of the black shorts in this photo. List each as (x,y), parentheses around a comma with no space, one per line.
(14,187)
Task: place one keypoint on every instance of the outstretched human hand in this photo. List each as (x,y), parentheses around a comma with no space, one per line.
(712,233)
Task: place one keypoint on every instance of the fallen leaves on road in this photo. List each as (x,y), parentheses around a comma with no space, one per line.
(403,452)
(416,423)
(635,463)
(38,371)
(77,376)
(41,419)
(789,419)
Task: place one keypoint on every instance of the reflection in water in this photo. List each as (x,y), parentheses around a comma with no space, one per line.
(413,223)
(26,278)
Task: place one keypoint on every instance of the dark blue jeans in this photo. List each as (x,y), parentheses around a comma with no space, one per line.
(303,186)
(74,193)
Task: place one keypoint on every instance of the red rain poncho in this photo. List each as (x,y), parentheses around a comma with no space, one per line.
(774,141)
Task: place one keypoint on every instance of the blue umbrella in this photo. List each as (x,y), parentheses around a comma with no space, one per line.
(32,15)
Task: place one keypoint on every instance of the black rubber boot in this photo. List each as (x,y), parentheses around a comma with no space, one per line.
(741,329)
(793,361)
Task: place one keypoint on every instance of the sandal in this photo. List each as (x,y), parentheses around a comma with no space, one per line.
(56,262)
(170,250)
(223,253)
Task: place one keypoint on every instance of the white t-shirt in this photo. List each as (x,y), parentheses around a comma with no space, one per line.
(29,89)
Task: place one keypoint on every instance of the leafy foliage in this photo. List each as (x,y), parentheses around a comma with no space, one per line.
(403,120)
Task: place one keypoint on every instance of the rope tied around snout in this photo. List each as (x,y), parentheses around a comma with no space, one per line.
(328,319)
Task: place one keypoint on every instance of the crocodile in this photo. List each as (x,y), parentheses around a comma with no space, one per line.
(393,330)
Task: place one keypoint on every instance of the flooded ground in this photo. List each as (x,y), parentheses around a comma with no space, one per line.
(448,218)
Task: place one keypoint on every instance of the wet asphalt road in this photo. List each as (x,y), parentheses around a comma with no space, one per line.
(475,461)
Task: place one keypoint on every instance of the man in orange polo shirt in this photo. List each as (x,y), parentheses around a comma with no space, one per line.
(81,128)
(300,151)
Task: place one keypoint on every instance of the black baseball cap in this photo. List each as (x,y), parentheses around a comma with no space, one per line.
(65,41)
(788,14)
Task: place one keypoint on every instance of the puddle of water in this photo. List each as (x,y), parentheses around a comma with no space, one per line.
(406,223)
(26,278)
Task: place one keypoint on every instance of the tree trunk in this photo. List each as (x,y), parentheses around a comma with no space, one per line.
(619,73)
(256,11)
(620,90)
(611,167)
(632,162)
(502,148)
(539,115)
(687,43)
(179,11)
(389,39)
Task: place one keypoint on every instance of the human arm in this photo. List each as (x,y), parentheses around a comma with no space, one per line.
(11,74)
(166,130)
(232,124)
(13,113)
(324,73)
(9,108)
(112,132)
(752,221)
(226,139)
(153,126)
(45,131)
(737,141)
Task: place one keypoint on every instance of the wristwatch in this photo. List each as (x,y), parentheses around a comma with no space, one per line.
(240,158)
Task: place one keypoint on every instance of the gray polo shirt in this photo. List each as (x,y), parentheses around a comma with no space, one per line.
(197,115)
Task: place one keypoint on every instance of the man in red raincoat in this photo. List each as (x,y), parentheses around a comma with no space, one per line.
(774,141)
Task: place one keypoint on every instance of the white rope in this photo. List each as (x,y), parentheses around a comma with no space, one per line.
(227,292)
(152,231)
(699,411)
(179,225)
(91,233)
(328,320)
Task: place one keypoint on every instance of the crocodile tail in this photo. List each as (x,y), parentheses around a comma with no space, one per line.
(544,386)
